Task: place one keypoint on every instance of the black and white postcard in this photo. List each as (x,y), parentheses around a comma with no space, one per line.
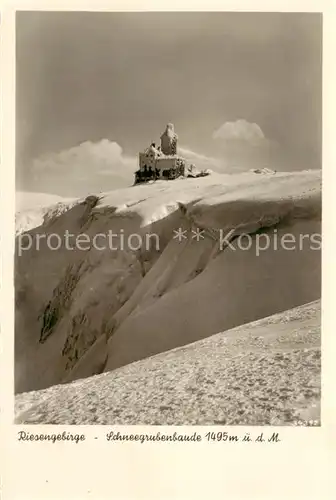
(167,262)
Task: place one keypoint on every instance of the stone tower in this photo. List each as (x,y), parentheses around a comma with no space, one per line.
(169,140)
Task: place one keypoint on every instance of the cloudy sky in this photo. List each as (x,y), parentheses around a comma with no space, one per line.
(242,89)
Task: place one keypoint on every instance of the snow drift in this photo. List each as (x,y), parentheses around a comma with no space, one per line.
(79,313)
(261,373)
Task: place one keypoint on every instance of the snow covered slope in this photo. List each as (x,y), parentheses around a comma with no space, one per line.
(80,312)
(33,209)
(261,373)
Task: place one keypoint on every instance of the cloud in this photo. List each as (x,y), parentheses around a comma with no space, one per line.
(243,146)
(201,161)
(240,130)
(87,168)
(93,167)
